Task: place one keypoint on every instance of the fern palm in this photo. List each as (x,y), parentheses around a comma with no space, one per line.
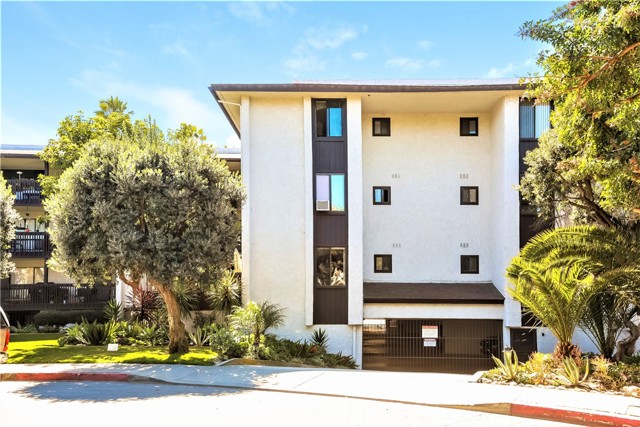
(557,295)
(612,255)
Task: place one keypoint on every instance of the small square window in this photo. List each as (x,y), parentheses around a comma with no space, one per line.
(382,263)
(468,195)
(468,126)
(381,126)
(381,195)
(469,264)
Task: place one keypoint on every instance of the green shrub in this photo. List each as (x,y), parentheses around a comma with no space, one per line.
(227,343)
(64,317)
(90,333)
(29,328)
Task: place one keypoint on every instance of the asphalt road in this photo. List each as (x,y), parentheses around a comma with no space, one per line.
(95,404)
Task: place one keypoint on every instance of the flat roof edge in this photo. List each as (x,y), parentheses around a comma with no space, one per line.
(385,88)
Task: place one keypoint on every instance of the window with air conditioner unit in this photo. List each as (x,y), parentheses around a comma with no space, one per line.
(330,193)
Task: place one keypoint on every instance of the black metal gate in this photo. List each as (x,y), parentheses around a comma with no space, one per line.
(431,345)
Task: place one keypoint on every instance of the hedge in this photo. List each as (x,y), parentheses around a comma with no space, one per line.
(62,317)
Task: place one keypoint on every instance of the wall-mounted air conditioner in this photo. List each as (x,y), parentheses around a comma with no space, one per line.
(322,205)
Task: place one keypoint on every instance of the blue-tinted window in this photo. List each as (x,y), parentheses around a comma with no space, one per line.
(534,118)
(329,115)
(330,192)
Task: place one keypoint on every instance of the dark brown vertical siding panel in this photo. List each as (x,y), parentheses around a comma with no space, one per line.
(336,300)
(331,230)
(330,156)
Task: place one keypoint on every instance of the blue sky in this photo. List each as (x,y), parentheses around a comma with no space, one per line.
(160,57)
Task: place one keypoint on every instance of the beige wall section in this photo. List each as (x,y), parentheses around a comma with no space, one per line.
(423,228)
(245,149)
(505,205)
(354,188)
(277,245)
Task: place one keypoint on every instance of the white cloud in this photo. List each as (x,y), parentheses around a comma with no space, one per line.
(177,48)
(406,64)
(169,105)
(303,63)
(329,38)
(19,132)
(257,12)
(359,56)
(511,70)
(425,44)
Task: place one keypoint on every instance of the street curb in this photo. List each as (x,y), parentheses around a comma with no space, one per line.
(506,408)
(549,414)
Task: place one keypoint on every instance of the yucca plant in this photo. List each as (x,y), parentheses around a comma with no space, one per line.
(320,339)
(571,372)
(510,368)
(113,311)
(225,294)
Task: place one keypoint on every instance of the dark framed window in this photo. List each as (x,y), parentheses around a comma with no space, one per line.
(381,195)
(469,264)
(534,118)
(382,263)
(330,192)
(468,126)
(468,195)
(331,267)
(381,126)
(329,119)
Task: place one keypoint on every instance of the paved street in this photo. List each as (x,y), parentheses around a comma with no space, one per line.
(98,404)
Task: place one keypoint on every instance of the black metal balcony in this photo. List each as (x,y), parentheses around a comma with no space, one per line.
(28,192)
(31,245)
(55,296)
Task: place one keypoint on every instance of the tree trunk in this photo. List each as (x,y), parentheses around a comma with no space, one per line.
(626,347)
(178,342)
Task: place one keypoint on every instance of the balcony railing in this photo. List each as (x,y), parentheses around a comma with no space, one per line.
(31,245)
(54,296)
(28,191)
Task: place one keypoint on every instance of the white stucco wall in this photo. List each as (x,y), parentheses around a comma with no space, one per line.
(505,210)
(276,214)
(432,311)
(425,226)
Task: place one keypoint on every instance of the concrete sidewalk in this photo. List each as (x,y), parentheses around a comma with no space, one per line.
(441,390)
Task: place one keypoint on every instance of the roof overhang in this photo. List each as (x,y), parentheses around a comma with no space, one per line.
(380,94)
(432,293)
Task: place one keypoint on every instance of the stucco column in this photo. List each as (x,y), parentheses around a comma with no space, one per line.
(354,188)
(308,211)
(245,145)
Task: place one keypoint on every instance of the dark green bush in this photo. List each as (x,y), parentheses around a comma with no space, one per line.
(63,317)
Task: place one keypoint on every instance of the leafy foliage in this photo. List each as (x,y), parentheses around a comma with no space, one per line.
(144,304)
(163,209)
(113,311)
(8,220)
(510,368)
(588,165)
(90,333)
(571,372)
(254,320)
(225,293)
(557,295)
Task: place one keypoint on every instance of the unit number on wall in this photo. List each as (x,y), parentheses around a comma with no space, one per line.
(464,245)
(395,175)
(396,245)
(464,176)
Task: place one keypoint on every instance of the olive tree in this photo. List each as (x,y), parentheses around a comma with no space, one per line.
(8,220)
(166,210)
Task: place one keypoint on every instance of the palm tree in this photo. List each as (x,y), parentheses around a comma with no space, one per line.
(112,105)
(558,296)
(254,320)
(612,255)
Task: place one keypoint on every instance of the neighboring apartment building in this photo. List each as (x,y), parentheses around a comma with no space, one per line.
(386,213)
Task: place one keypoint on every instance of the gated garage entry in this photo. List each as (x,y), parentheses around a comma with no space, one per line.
(431,345)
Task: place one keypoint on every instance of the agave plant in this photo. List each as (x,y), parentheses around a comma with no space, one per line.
(510,367)
(225,294)
(571,372)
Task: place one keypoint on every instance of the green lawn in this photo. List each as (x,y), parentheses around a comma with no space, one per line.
(44,348)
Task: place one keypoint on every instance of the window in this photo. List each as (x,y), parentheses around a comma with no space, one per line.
(468,126)
(381,195)
(330,267)
(381,126)
(469,264)
(382,263)
(534,118)
(329,115)
(468,195)
(330,192)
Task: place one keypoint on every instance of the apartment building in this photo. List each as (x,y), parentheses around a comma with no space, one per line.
(386,213)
